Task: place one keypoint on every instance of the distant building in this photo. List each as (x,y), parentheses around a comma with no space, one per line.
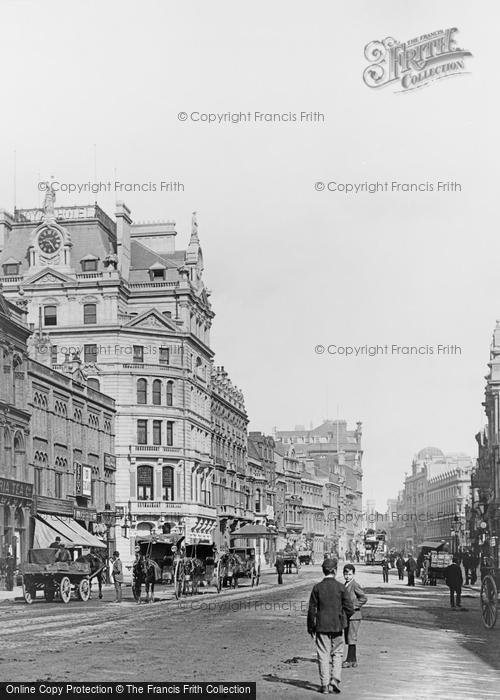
(432,504)
(336,454)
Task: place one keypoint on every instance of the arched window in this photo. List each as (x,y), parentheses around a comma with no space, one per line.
(170,393)
(257,500)
(145,483)
(142,391)
(19,451)
(7,447)
(167,484)
(93,383)
(157,392)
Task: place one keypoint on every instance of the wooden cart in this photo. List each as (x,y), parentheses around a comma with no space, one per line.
(490,584)
(56,579)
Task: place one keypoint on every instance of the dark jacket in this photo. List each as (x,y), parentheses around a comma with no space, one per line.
(330,606)
(358,598)
(400,564)
(117,571)
(411,565)
(453,576)
(280,566)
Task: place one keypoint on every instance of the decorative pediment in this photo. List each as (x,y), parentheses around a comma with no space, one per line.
(48,277)
(152,319)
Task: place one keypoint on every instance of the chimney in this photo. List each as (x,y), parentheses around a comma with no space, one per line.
(6,222)
(123,222)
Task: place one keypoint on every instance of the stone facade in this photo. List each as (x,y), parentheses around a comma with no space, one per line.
(336,455)
(137,314)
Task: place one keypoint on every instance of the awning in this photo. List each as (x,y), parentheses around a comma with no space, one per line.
(70,531)
(45,535)
(252,531)
(432,545)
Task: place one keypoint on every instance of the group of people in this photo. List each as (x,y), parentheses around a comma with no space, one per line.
(409,565)
(333,621)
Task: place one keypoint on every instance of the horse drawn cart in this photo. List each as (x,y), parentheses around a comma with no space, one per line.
(56,578)
(290,558)
(236,563)
(306,556)
(490,583)
(195,565)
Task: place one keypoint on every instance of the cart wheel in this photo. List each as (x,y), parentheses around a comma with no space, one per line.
(29,592)
(489,602)
(84,589)
(49,592)
(178,581)
(65,589)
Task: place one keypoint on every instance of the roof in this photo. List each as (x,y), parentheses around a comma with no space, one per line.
(430,453)
(251,530)
(432,544)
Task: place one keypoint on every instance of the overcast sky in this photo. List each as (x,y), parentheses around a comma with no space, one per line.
(290,267)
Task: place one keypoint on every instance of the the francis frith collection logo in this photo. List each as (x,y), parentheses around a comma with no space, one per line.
(414,63)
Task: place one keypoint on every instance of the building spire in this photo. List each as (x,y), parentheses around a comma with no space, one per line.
(194,229)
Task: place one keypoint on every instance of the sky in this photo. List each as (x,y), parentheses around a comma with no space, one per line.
(92,92)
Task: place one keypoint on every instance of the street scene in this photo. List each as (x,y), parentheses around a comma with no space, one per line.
(260,634)
(249,350)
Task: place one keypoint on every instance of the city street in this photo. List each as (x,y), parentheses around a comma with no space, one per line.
(411,644)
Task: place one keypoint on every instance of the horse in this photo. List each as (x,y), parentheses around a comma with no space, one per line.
(193,573)
(97,562)
(231,568)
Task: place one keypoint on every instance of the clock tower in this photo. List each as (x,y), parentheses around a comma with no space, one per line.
(50,244)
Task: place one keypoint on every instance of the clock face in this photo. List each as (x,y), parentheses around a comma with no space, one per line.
(49,240)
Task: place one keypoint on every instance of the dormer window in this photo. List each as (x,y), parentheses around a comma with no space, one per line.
(157,272)
(89,263)
(11,268)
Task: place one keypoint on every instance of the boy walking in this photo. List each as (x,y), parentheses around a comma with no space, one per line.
(330,607)
(358,599)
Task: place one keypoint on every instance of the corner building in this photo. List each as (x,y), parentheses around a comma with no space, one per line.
(119,298)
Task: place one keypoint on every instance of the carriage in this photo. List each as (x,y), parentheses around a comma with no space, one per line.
(59,579)
(438,560)
(195,565)
(236,563)
(290,558)
(306,556)
(490,583)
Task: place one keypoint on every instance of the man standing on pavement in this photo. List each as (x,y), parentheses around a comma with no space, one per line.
(454,581)
(411,567)
(330,608)
(385,570)
(117,573)
(280,568)
(400,566)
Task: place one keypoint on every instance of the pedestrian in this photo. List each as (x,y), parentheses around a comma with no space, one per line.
(385,570)
(117,573)
(454,580)
(63,554)
(55,544)
(9,572)
(358,599)
(330,607)
(400,566)
(411,567)
(280,568)
(474,561)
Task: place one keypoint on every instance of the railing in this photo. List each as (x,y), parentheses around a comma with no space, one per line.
(138,285)
(88,275)
(171,507)
(154,448)
(11,279)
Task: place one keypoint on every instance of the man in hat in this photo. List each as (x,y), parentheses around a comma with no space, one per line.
(330,607)
(55,544)
(454,580)
(117,572)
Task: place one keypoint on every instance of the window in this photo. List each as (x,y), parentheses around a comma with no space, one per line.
(138,353)
(142,432)
(58,484)
(142,389)
(90,353)
(11,269)
(38,481)
(168,314)
(157,274)
(257,501)
(165,356)
(89,313)
(53,354)
(50,316)
(157,392)
(170,393)
(170,432)
(89,265)
(167,484)
(145,483)
(93,383)
(157,432)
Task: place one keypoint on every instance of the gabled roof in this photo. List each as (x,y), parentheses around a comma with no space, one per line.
(52,276)
(11,261)
(152,318)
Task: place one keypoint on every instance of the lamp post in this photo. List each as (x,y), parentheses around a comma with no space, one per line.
(108,518)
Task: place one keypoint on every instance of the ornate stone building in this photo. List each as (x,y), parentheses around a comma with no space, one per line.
(232,491)
(16,478)
(137,314)
(336,453)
